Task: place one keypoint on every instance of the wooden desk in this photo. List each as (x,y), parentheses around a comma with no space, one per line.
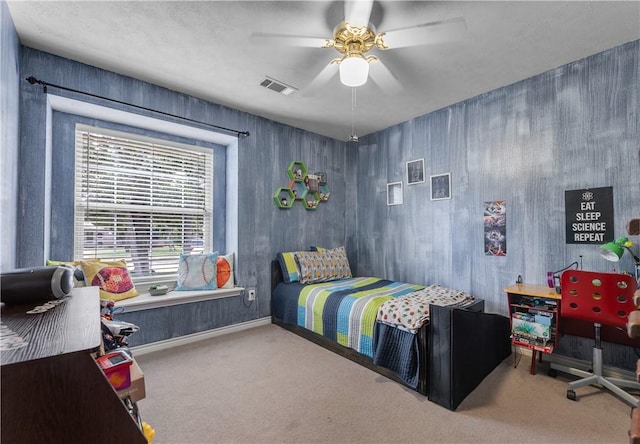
(534,311)
(52,389)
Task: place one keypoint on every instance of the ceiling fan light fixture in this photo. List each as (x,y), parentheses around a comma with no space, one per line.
(354,70)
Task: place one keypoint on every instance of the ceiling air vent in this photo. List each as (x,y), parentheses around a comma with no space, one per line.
(277,86)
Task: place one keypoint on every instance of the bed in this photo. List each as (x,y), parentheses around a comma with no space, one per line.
(444,358)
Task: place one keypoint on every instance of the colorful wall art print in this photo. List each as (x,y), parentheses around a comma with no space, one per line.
(495,228)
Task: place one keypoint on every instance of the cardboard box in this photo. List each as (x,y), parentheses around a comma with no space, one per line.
(136,390)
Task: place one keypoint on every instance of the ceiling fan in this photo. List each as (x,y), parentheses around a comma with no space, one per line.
(355,37)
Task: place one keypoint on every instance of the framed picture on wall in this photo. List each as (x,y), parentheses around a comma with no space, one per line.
(415,171)
(441,186)
(394,193)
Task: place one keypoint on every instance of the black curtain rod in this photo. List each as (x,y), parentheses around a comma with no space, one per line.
(33,81)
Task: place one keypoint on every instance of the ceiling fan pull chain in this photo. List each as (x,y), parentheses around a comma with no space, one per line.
(353,107)
(353,98)
(353,138)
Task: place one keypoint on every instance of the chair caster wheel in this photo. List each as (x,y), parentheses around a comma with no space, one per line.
(552,372)
(571,395)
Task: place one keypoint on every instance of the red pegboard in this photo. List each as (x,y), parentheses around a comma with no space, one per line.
(605,298)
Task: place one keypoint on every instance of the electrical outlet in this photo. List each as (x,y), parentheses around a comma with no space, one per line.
(251,293)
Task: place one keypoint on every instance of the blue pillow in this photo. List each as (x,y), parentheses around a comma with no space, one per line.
(197,272)
(289,267)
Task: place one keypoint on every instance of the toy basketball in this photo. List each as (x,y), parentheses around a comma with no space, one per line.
(224,271)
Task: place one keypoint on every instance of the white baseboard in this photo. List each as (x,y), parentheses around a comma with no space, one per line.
(188,339)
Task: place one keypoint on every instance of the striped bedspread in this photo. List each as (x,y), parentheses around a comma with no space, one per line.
(345,310)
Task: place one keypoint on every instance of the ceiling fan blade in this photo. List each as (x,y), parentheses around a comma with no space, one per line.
(357,12)
(384,78)
(320,80)
(288,40)
(426,33)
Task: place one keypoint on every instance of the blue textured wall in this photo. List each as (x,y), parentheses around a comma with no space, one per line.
(9,136)
(165,323)
(574,127)
(263,159)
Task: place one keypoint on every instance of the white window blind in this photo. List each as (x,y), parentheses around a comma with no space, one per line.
(141,200)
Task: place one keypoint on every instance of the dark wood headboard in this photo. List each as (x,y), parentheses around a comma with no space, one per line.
(276,274)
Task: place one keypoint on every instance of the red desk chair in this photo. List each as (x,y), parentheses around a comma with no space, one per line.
(601,298)
(633,330)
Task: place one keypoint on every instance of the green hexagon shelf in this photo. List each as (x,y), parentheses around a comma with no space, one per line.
(284,198)
(297,171)
(311,200)
(299,189)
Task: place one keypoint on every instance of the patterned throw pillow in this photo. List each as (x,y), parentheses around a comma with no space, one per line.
(112,278)
(340,262)
(224,265)
(323,266)
(197,272)
(315,267)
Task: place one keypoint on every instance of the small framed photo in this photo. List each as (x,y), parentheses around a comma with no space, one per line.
(394,193)
(415,171)
(441,186)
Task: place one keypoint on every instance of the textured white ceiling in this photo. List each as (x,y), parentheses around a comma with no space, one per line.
(203,48)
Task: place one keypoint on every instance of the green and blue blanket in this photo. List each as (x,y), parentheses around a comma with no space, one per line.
(345,310)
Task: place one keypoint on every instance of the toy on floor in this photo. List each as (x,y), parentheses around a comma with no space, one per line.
(148,431)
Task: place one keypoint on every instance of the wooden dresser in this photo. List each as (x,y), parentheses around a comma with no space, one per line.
(52,389)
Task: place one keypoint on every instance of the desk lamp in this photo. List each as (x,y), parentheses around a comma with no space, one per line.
(613,251)
(553,277)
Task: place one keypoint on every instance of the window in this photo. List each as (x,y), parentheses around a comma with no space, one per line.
(141,199)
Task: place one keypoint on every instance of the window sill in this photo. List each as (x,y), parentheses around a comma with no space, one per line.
(144,301)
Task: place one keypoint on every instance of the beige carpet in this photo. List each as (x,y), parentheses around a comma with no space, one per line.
(267,385)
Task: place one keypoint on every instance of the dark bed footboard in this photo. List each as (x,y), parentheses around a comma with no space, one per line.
(464,347)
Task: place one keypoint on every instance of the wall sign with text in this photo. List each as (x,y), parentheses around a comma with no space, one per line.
(589,214)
